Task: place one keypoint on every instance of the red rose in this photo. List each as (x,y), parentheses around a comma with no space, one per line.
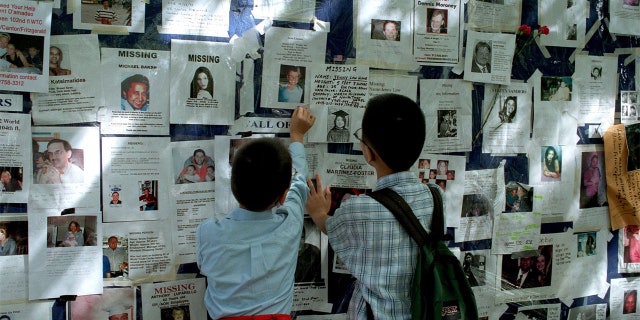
(524,29)
(543,30)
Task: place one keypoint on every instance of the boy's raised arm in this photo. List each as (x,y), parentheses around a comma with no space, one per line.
(301,121)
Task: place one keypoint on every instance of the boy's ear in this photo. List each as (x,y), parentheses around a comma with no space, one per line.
(369,154)
(280,200)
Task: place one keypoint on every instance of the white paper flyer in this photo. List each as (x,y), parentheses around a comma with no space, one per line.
(180,299)
(179,17)
(136,92)
(76,95)
(16,164)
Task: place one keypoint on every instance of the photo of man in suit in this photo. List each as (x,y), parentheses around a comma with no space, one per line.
(481,58)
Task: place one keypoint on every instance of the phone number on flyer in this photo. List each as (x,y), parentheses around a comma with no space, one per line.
(11,82)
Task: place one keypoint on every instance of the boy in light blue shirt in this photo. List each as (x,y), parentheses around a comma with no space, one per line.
(249,257)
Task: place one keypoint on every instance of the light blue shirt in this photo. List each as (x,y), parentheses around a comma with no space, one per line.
(376,250)
(249,257)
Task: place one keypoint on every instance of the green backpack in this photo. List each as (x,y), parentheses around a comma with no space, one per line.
(440,288)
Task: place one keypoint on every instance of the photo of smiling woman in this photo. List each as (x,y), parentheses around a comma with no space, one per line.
(202,84)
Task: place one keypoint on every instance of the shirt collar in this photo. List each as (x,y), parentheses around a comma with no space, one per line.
(395,179)
(240,214)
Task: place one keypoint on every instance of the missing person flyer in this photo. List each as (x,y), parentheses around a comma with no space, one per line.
(15,159)
(180,299)
(75,89)
(64,249)
(24,27)
(135,92)
(66,164)
(135,168)
(437,38)
(202,83)
(288,55)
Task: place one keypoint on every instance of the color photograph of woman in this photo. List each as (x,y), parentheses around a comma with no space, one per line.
(202,84)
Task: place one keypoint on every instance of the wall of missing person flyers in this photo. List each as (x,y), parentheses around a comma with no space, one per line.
(532,132)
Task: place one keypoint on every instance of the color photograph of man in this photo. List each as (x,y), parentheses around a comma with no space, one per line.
(10,182)
(385,30)
(148,200)
(117,257)
(135,93)
(60,167)
(481,58)
(55,59)
(437,21)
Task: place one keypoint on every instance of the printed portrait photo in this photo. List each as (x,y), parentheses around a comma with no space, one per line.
(447,123)
(56,161)
(135,93)
(596,72)
(175,313)
(508,109)
(58,66)
(631,243)
(202,84)
(338,126)
(442,168)
(148,198)
(551,163)
(521,271)
(451,174)
(437,20)
(14,238)
(113,303)
(71,231)
(517,198)
(424,163)
(481,57)
(629,305)
(291,83)
(587,312)
(442,183)
(385,30)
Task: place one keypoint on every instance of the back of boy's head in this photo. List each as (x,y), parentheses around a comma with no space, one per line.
(394,126)
(261,173)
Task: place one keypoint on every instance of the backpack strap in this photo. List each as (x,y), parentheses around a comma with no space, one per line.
(403,213)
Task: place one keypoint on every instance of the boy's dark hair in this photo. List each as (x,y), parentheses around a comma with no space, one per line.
(261,173)
(394,126)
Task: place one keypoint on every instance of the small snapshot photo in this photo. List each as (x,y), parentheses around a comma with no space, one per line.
(106,12)
(592,184)
(11,178)
(193,165)
(518,198)
(14,238)
(551,163)
(475,205)
(556,88)
(385,30)
(631,243)
(291,83)
(148,199)
(474,267)
(442,184)
(115,249)
(309,266)
(447,123)
(338,126)
(571,32)
(21,53)
(175,313)
(71,231)
(438,19)
(586,242)
(522,270)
